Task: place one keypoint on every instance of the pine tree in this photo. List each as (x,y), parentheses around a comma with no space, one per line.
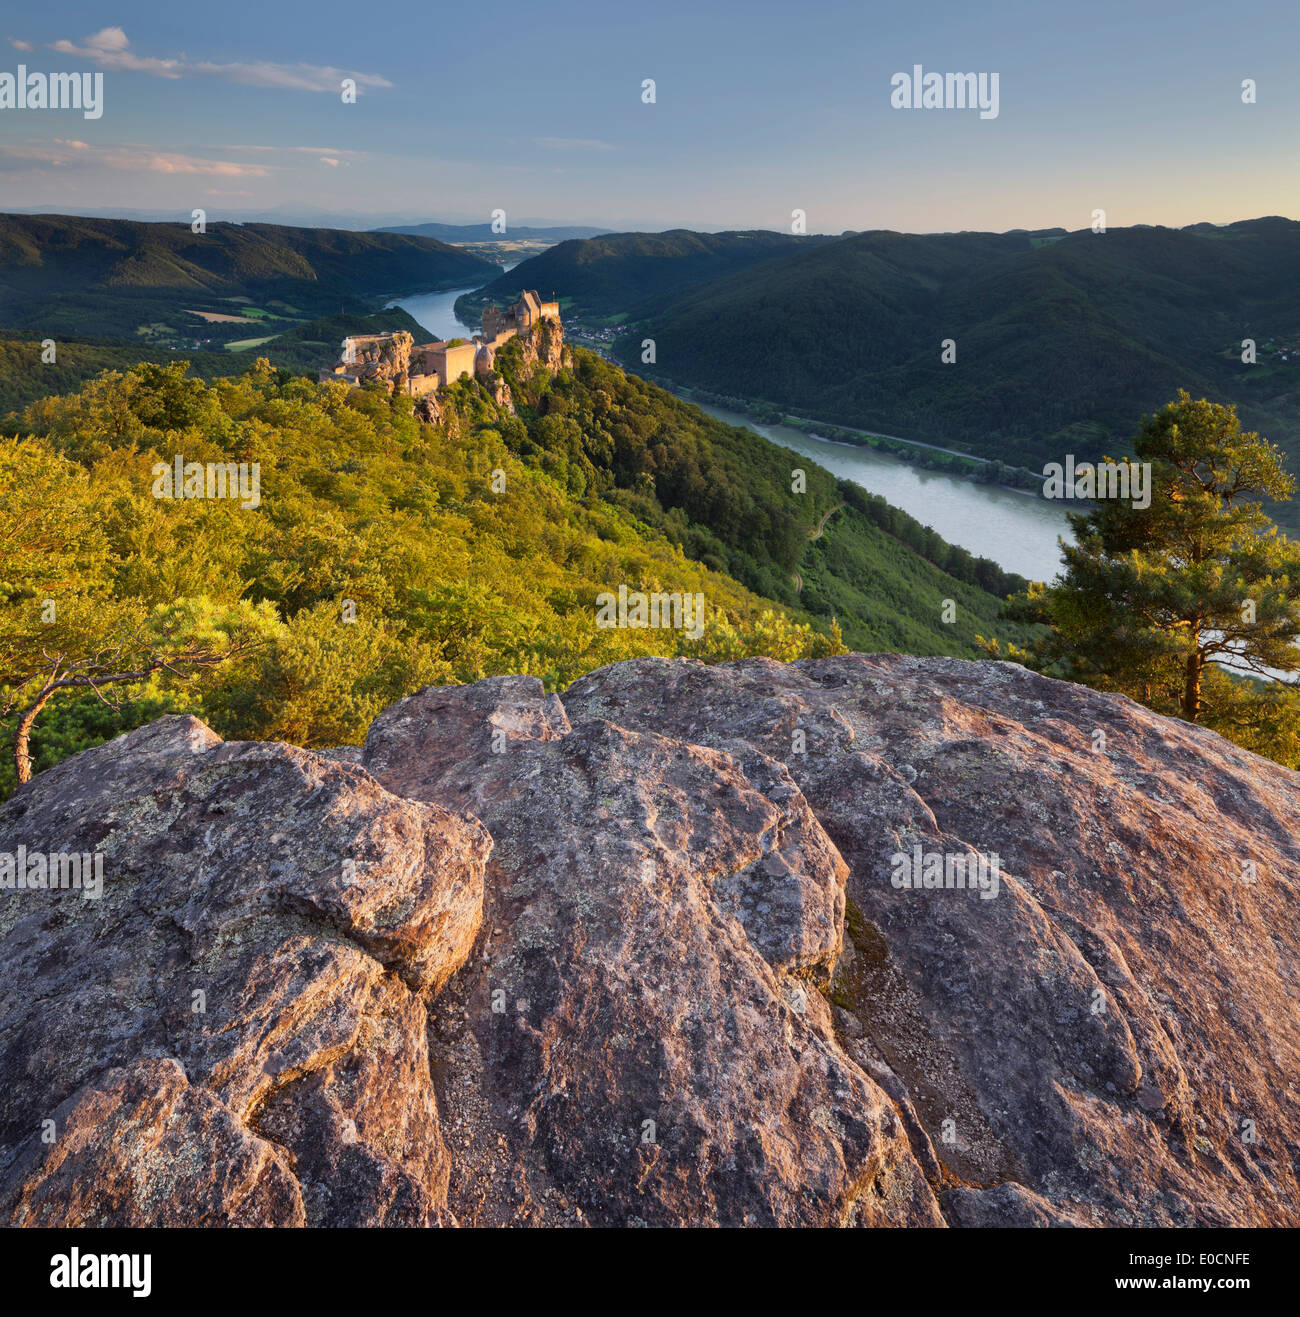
(1153,598)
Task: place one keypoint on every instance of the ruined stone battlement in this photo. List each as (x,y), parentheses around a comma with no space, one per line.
(528,311)
(424,368)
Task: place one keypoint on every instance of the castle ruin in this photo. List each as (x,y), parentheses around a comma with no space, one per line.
(427,367)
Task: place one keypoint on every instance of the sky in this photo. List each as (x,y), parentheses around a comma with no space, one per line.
(760,110)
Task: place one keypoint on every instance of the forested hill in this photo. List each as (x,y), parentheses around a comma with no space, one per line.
(474,546)
(66,275)
(725,495)
(1061,339)
(613,274)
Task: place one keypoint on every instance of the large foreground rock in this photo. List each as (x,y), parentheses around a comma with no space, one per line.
(635,955)
(641,1039)
(1117,1031)
(235,1032)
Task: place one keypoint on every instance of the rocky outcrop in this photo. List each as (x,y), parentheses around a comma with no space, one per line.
(430,408)
(641,1039)
(640,953)
(1116,1031)
(385,357)
(499,391)
(235,1031)
(543,349)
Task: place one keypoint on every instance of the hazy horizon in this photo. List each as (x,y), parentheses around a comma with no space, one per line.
(269,215)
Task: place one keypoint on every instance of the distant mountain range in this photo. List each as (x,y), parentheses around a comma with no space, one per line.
(461,233)
(66,275)
(299,216)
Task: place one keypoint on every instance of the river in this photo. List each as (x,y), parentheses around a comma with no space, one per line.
(435,311)
(1017,531)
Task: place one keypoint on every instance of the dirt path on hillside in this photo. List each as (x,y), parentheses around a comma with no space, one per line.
(816,535)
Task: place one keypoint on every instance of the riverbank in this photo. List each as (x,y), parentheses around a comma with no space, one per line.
(1017,531)
(982,470)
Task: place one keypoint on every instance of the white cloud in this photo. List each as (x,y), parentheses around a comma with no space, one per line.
(145,158)
(338,152)
(20,45)
(21,156)
(110,49)
(165,162)
(288,77)
(108,38)
(62,151)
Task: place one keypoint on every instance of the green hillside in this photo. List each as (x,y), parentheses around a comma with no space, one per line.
(723,493)
(67,276)
(471,547)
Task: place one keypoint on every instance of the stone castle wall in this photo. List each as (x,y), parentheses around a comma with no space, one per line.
(422,369)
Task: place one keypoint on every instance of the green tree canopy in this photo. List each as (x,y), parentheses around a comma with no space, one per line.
(1157,601)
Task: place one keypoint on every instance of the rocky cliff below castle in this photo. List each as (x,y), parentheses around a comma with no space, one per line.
(639,953)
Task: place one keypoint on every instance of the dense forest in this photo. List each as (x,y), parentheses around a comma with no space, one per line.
(1060,340)
(728,492)
(386,552)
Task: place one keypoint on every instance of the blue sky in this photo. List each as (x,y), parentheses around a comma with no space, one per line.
(761,109)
